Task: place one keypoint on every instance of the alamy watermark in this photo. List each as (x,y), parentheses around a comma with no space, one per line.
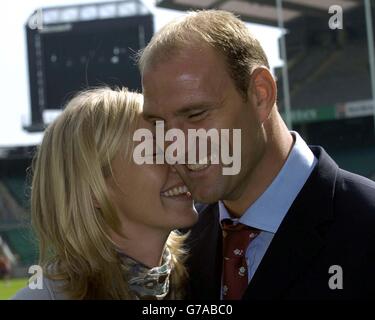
(177,152)
(36,280)
(336,281)
(336,21)
(36,20)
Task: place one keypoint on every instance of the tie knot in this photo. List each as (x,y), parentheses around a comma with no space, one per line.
(237,237)
(229,225)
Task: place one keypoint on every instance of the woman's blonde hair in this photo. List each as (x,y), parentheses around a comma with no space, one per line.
(69,187)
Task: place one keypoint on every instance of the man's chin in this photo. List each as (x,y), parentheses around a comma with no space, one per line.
(208,190)
(205,196)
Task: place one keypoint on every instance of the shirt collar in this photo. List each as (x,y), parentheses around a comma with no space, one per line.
(268,211)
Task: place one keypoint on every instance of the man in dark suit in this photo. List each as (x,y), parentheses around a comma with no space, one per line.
(331,223)
(290,224)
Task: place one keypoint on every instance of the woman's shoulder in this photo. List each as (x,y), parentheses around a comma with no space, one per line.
(51,290)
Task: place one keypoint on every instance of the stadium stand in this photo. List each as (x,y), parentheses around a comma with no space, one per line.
(22,242)
(15,228)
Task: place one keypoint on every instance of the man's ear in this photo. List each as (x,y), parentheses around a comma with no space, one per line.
(263,92)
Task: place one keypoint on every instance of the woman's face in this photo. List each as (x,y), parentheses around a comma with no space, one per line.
(145,195)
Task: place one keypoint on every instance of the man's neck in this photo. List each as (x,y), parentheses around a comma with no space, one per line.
(278,146)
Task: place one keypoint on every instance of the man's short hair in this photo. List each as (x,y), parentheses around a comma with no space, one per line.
(219,29)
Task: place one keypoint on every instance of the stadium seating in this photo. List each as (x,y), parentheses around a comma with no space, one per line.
(22,242)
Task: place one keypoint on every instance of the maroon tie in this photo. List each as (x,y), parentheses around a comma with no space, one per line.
(236,239)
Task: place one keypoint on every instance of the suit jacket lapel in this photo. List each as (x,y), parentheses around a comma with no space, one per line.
(300,236)
(205,261)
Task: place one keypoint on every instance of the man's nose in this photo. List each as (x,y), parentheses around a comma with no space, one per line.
(176,124)
(180,126)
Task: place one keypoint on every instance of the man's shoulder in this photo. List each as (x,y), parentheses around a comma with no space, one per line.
(355,196)
(349,195)
(352,181)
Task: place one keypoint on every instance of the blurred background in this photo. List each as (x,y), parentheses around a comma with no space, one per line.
(322,57)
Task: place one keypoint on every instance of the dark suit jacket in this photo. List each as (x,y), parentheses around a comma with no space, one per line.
(331,222)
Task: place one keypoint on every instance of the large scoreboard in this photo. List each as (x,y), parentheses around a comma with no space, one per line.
(76,47)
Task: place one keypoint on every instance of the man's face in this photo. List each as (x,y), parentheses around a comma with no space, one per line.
(194,90)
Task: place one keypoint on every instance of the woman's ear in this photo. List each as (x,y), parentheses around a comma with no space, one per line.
(95,202)
(263,92)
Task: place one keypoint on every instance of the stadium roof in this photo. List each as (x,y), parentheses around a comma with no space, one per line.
(261,11)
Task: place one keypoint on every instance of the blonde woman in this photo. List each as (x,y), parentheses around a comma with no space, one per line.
(105,224)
